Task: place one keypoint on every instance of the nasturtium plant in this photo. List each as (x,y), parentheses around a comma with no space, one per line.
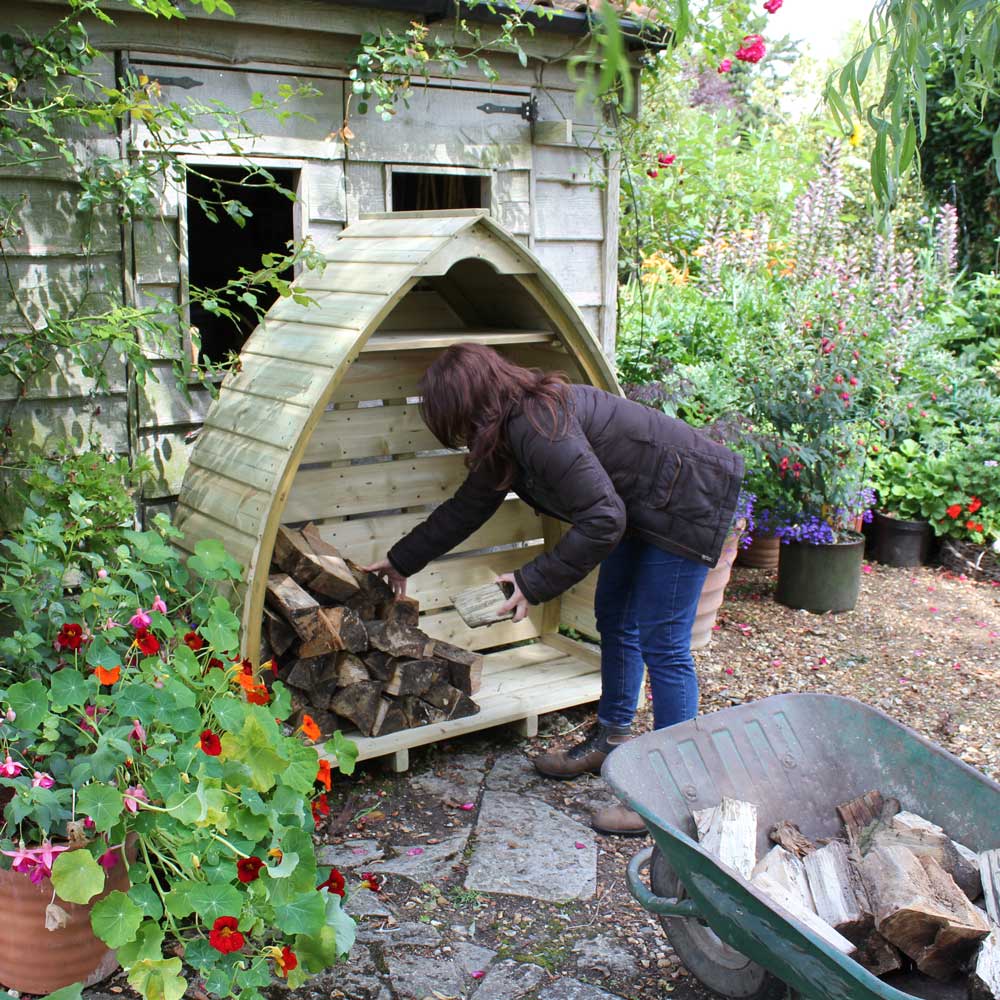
(134,739)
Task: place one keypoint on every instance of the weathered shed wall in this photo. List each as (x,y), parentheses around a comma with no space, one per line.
(549,184)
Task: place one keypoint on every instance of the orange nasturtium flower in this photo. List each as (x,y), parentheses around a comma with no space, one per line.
(323,776)
(309,728)
(108,676)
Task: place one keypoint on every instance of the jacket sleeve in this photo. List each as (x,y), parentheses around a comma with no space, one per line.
(449,524)
(571,471)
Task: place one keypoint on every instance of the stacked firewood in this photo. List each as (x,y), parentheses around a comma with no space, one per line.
(348,650)
(895,892)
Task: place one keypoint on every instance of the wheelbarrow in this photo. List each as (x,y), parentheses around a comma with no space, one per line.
(796,757)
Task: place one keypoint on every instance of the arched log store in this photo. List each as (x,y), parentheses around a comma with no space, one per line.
(321,424)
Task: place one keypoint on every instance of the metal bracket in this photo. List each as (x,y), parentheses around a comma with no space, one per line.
(184,82)
(528,111)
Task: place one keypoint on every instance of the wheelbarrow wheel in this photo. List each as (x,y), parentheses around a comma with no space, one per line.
(704,954)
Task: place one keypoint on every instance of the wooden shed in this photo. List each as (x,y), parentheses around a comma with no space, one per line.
(321,424)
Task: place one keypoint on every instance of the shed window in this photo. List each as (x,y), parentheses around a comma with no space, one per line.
(217,250)
(413,191)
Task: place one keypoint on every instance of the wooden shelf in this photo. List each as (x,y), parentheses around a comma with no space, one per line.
(412,340)
(519,685)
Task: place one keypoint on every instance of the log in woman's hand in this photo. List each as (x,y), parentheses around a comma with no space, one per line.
(517,603)
(396,580)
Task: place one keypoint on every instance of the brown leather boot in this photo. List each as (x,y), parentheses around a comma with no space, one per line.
(618,821)
(586,756)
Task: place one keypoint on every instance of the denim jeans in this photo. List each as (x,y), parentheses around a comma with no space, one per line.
(645,604)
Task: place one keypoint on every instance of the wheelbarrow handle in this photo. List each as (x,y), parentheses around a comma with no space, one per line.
(649,900)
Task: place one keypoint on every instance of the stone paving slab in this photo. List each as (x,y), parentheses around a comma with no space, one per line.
(526,848)
(513,772)
(366,904)
(470,958)
(604,954)
(510,980)
(350,854)
(415,977)
(573,989)
(431,862)
(410,934)
(457,777)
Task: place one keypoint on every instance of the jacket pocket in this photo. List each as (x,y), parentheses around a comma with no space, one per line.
(665,476)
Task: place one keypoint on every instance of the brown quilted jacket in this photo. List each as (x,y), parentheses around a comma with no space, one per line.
(618,467)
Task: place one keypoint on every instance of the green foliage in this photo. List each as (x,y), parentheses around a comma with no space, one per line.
(132,734)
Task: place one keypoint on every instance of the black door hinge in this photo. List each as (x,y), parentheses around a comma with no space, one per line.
(184,82)
(528,111)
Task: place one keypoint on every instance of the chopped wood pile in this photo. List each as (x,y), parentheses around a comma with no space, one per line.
(895,892)
(349,650)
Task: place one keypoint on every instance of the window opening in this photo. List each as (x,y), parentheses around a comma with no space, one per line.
(217,250)
(413,191)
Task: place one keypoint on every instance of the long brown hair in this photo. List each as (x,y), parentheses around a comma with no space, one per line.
(470,391)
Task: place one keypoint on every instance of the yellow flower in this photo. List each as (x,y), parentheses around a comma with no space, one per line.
(856,135)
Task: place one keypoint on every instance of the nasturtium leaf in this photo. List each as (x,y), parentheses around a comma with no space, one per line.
(253,746)
(181,720)
(289,862)
(101,654)
(230,712)
(303,763)
(253,802)
(146,945)
(115,919)
(212,901)
(303,913)
(144,896)
(158,979)
(136,701)
(343,751)
(289,804)
(281,701)
(67,687)
(178,900)
(30,701)
(103,804)
(77,877)
(200,954)
(317,952)
(72,992)
(250,825)
(219,981)
(341,922)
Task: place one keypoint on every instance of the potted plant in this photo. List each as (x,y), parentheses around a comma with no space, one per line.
(153,803)
(905,481)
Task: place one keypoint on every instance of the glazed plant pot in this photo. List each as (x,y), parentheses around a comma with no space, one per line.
(901,543)
(762,553)
(713,590)
(821,578)
(36,960)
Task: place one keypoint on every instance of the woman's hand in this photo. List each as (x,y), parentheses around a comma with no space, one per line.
(517,603)
(396,579)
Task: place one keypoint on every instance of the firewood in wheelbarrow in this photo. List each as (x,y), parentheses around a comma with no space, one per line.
(787,870)
(480,605)
(728,832)
(791,903)
(984,979)
(863,815)
(791,838)
(920,909)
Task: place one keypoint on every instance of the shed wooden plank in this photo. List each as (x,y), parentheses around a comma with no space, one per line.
(326,191)
(163,404)
(410,228)
(274,422)
(359,489)
(170,453)
(42,424)
(156,250)
(448,625)
(409,340)
(195,525)
(388,250)
(568,211)
(64,379)
(577,265)
(367,432)
(365,540)
(237,504)
(366,191)
(251,461)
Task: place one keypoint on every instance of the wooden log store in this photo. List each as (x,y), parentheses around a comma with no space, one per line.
(321,424)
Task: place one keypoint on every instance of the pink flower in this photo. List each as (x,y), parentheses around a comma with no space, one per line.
(24,860)
(102,574)
(725,66)
(652,173)
(10,715)
(580,846)
(108,859)
(133,796)
(414,851)
(10,768)
(478,974)
(140,619)
(866,569)
(42,780)
(159,605)
(817,390)
(138,733)
(752,50)
(773,6)
(468,806)
(666,159)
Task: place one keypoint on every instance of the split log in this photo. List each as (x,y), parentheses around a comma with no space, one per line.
(861,816)
(402,611)
(304,673)
(789,902)
(878,956)
(788,871)
(984,980)
(280,635)
(989,871)
(465,667)
(314,563)
(360,703)
(377,590)
(336,629)
(392,719)
(415,676)
(919,908)
(296,605)
(419,712)
(728,831)
(379,664)
(791,838)
(925,838)
(399,640)
(480,606)
(838,892)
(454,703)
(350,669)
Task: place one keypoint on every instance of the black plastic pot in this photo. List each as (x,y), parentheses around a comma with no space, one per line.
(901,543)
(821,578)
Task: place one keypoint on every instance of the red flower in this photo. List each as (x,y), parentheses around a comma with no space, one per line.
(973,526)
(258,695)
(194,642)
(225,935)
(285,962)
(954,510)
(323,776)
(372,881)
(666,159)
(773,6)
(320,808)
(974,504)
(752,50)
(725,66)
(210,743)
(147,642)
(652,173)
(214,663)
(248,869)
(334,883)
(70,636)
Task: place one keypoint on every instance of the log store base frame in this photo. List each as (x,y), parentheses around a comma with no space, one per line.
(320,424)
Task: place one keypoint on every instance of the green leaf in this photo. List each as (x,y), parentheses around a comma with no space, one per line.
(73,992)
(212,901)
(158,980)
(30,701)
(77,877)
(343,751)
(115,919)
(254,746)
(69,688)
(103,804)
(147,944)
(302,767)
(146,898)
(317,952)
(342,923)
(289,862)
(305,913)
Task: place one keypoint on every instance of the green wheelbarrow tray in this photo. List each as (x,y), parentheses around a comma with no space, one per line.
(796,757)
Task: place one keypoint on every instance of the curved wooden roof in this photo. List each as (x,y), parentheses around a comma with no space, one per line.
(255,435)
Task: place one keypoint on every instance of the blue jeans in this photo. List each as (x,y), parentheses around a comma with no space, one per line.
(645,604)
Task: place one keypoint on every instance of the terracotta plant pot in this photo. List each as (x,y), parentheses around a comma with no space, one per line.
(762,553)
(713,590)
(821,578)
(34,960)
